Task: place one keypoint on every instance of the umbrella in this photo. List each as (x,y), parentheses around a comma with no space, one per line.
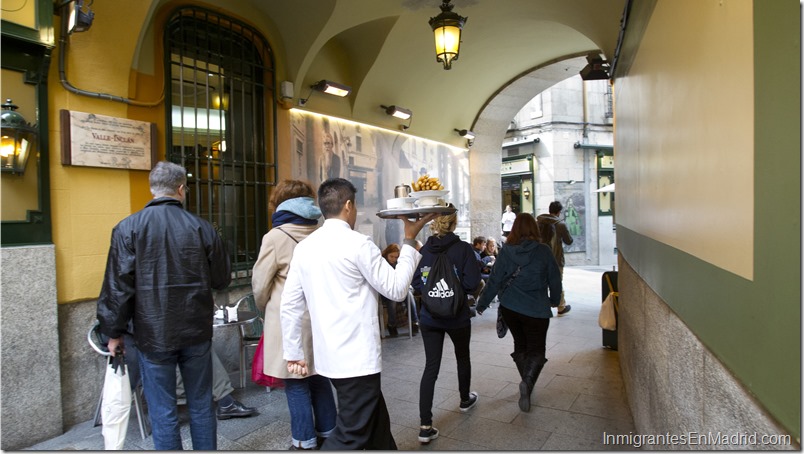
(607,188)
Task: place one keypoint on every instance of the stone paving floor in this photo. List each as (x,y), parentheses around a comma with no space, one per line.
(578,397)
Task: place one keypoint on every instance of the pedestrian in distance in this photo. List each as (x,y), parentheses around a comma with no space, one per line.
(527,279)
(507,221)
(336,274)
(554,233)
(163,265)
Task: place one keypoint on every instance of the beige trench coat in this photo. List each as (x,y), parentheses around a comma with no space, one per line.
(267,282)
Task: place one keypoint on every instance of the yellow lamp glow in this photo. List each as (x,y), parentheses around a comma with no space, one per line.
(16,140)
(447,28)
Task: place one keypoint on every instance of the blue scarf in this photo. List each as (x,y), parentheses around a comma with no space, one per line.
(300,210)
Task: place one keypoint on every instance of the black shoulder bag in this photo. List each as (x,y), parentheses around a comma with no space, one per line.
(502,328)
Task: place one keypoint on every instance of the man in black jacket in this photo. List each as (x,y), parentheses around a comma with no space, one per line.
(163,265)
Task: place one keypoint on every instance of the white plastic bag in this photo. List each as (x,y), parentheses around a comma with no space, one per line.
(116,405)
(608,316)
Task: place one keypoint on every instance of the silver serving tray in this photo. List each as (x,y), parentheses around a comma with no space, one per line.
(415,213)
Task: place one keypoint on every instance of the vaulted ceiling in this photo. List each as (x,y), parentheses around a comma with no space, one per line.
(384,50)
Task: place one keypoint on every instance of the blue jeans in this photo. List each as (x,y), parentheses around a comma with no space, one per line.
(312,409)
(433,339)
(158,371)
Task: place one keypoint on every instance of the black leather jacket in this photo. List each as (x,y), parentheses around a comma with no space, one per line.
(163,264)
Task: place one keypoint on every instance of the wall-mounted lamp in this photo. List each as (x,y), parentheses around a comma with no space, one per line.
(465,133)
(526,193)
(328,87)
(447,28)
(77,19)
(401,113)
(398,112)
(18,140)
(596,69)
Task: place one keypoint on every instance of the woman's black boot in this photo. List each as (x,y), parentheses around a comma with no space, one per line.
(533,367)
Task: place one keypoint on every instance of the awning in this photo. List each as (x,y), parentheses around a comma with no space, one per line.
(608,188)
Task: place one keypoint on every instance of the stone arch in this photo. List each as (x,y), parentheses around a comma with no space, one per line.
(490,126)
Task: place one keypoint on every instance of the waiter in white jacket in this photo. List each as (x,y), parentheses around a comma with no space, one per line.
(336,274)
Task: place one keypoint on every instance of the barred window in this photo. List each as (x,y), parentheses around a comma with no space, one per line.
(221,128)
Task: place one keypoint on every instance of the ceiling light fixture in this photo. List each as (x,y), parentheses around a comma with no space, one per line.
(597,69)
(465,133)
(447,28)
(328,87)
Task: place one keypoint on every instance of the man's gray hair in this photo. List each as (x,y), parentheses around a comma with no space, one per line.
(165,178)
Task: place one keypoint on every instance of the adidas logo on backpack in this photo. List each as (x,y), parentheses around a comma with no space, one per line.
(443,294)
(441,290)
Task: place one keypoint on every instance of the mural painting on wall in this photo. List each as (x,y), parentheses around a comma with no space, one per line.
(574,214)
(375,161)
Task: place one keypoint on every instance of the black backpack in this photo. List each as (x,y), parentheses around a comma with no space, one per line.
(443,294)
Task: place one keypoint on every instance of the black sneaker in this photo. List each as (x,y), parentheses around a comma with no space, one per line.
(566,309)
(427,434)
(466,405)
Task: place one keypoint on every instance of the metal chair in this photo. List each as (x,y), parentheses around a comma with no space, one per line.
(249,334)
(97,342)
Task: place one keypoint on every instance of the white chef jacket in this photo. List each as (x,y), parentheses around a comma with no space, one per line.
(508,219)
(336,273)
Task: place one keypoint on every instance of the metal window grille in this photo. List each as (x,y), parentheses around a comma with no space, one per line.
(221,80)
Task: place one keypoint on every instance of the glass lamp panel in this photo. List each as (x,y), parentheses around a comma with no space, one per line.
(447,42)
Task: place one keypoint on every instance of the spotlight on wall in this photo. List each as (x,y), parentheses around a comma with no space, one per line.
(18,140)
(597,69)
(526,193)
(398,112)
(328,87)
(77,19)
(465,133)
(331,88)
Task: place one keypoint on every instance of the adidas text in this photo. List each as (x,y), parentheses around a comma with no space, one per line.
(441,290)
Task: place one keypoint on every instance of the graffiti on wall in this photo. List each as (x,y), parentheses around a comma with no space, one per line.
(375,161)
(572,198)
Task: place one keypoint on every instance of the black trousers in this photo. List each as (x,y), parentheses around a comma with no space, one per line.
(363,421)
(433,339)
(530,334)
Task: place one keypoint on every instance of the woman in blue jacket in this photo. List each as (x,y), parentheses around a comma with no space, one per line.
(528,282)
(433,329)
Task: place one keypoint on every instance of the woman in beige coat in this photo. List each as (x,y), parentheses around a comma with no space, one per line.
(310,398)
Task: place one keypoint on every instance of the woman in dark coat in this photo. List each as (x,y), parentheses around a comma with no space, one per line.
(528,282)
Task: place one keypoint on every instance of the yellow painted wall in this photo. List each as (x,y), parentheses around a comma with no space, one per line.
(692,184)
(89,202)
(21,12)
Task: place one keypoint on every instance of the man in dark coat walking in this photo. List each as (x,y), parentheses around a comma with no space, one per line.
(555,234)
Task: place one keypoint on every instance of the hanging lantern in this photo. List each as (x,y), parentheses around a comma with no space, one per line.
(18,139)
(447,28)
